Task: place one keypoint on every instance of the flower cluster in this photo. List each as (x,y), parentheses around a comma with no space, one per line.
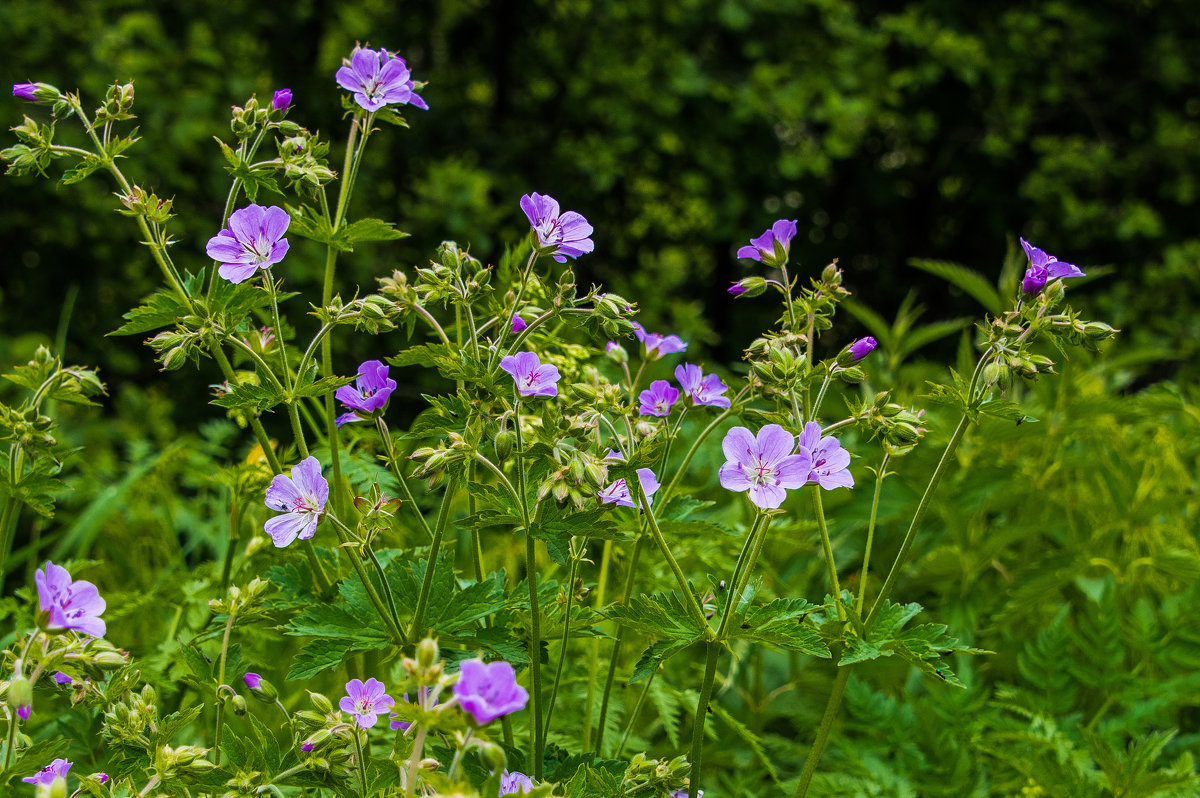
(699,388)
(770,464)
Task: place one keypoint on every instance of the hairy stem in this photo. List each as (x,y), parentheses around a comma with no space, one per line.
(712,650)
(880,475)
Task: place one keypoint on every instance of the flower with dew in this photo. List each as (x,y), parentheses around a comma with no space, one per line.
(532,377)
(514,783)
(46,776)
(772,246)
(765,465)
(365,700)
(518,324)
(563,235)
(281,100)
(370,393)
(254,240)
(701,388)
(67,604)
(862,347)
(830,462)
(657,399)
(488,691)
(301,498)
(378,78)
(619,494)
(62,678)
(1043,267)
(658,345)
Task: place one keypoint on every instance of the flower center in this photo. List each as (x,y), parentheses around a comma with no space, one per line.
(761,472)
(364,706)
(549,231)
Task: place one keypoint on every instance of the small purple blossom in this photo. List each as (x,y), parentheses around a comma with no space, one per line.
(252,680)
(26,91)
(564,235)
(302,497)
(69,605)
(737,288)
(254,240)
(102,777)
(365,701)
(658,398)
(514,783)
(518,324)
(862,347)
(378,78)
(370,393)
(282,99)
(702,389)
(830,462)
(683,794)
(658,345)
(24,711)
(62,678)
(1043,267)
(619,494)
(532,377)
(306,746)
(765,465)
(772,246)
(489,691)
(46,776)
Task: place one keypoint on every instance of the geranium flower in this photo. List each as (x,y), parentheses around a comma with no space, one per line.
(489,691)
(302,497)
(365,701)
(518,324)
(657,399)
(282,100)
(619,494)
(830,462)
(862,347)
(254,240)
(46,776)
(69,605)
(62,678)
(532,377)
(658,345)
(765,465)
(702,389)
(26,91)
(772,246)
(563,235)
(370,393)
(513,783)
(1043,267)
(378,78)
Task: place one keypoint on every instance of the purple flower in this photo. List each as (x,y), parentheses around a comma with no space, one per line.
(46,776)
(531,376)
(26,91)
(657,399)
(700,388)
(364,701)
(772,246)
(369,395)
(766,465)
(513,783)
(658,345)
(252,680)
(830,462)
(302,498)
(862,347)
(683,794)
(736,288)
(619,494)
(1043,267)
(69,605)
(282,100)
(253,240)
(378,78)
(561,235)
(62,678)
(488,691)
(518,324)
(24,710)
(102,777)
(307,746)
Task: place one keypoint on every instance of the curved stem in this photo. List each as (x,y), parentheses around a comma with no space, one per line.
(693,606)
(637,708)
(616,651)
(410,786)
(221,681)
(734,593)
(372,594)
(713,649)
(880,475)
(594,659)
(434,549)
(362,763)
(495,469)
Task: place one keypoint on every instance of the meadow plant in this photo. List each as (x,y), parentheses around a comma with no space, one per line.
(540,432)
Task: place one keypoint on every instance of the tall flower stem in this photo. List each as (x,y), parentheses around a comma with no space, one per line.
(410,783)
(594,659)
(616,650)
(13,718)
(389,447)
(834,585)
(434,548)
(362,762)
(742,569)
(393,626)
(566,636)
(667,492)
(827,719)
(712,651)
(637,708)
(221,681)
(507,325)
(689,597)
(880,475)
(292,409)
(535,654)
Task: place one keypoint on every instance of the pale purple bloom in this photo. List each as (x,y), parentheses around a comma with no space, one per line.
(46,776)
(69,605)
(862,347)
(254,240)
(252,680)
(282,100)
(736,288)
(369,395)
(302,498)
(610,347)
(518,324)
(772,246)
(532,377)
(702,389)
(561,235)
(766,466)
(62,678)
(830,462)
(488,691)
(26,91)
(658,345)
(378,78)
(619,494)
(1043,267)
(514,783)
(657,399)
(365,701)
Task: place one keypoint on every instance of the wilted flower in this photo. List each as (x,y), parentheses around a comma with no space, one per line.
(561,235)
(619,494)
(370,393)
(657,399)
(766,466)
(282,100)
(1043,267)
(830,462)
(253,240)
(62,678)
(302,498)
(69,605)
(46,776)
(518,324)
(862,347)
(702,389)
(513,783)
(378,78)
(772,246)
(489,691)
(658,345)
(530,375)
(365,700)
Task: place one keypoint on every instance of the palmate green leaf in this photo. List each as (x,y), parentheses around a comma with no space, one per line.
(250,397)
(174,723)
(87,165)
(922,646)
(448,360)
(160,309)
(664,615)
(252,178)
(321,387)
(1005,409)
(37,487)
(365,230)
(562,525)
(596,782)
(347,626)
(444,414)
(680,508)
(654,656)
(780,623)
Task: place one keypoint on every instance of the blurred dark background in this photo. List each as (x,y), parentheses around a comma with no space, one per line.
(930,129)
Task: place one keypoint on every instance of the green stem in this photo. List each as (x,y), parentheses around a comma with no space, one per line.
(562,651)
(414,759)
(372,594)
(734,594)
(235,524)
(713,649)
(389,448)
(507,326)
(834,584)
(362,762)
(431,565)
(862,582)
(666,493)
(616,651)
(594,659)
(818,746)
(693,606)
(637,708)
(387,590)
(221,681)
(535,654)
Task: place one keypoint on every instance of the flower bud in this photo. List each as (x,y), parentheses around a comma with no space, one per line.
(748,287)
(504,441)
(310,718)
(493,756)
(239,706)
(320,703)
(616,353)
(109,660)
(427,653)
(316,740)
(831,274)
(36,92)
(994,372)
(20,696)
(851,376)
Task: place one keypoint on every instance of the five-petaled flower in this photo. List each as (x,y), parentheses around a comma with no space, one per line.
(282,100)
(563,235)
(765,465)
(489,691)
(302,498)
(830,462)
(370,393)
(701,388)
(46,776)
(772,246)
(254,240)
(69,605)
(378,78)
(619,494)
(657,399)
(658,345)
(365,701)
(1043,267)
(862,347)
(514,783)
(532,377)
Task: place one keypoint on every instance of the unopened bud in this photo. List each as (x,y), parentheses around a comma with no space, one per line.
(239,706)
(616,353)
(748,287)
(320,703)
(260,688)
(493,756)
(427,653)
(20,696)
(504,441)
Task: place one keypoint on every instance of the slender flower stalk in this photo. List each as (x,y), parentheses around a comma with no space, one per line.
(880,475)
(435,546)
